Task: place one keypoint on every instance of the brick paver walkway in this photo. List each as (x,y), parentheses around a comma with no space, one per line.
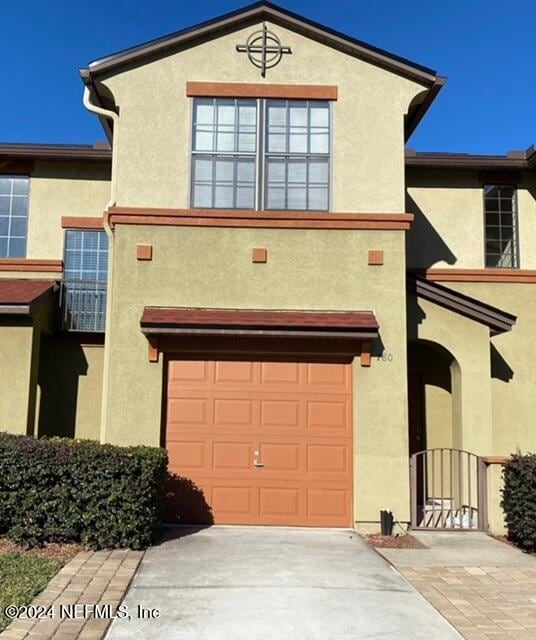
(481,602)
(90,578)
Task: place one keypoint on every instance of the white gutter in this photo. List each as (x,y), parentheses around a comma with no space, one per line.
(106,113)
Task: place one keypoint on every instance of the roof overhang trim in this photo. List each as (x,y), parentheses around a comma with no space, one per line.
(496,319)
(177,321)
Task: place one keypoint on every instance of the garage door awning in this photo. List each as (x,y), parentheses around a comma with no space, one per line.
(257,322)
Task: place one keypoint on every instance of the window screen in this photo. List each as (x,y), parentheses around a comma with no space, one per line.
(501,226)
(224,151)
(13,216)
(84,286)
(297,155)
(280,163)
(86,255)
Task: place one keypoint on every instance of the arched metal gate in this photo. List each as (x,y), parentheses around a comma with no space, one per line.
(448,490)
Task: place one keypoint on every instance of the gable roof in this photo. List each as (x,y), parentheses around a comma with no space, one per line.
(496,319)
(253,14)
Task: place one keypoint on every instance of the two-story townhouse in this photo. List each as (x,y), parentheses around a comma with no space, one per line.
(257,276)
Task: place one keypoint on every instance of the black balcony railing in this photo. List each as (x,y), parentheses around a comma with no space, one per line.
(83,305)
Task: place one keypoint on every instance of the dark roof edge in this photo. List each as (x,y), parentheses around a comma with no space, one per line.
(496,319)
(265,11)
(28,151)
(424,159)
(439,160)
(416,115)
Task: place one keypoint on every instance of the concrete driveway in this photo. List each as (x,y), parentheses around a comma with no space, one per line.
(270,583)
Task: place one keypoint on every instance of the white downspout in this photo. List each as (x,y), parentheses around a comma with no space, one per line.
(106,113)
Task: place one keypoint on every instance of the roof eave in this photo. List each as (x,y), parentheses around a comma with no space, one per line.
(414,118)
(257,12)
(496,319)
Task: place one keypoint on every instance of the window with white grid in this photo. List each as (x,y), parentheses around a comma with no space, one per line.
(261,154)
(86,255)
(84,285)
(13,216)
(501,229)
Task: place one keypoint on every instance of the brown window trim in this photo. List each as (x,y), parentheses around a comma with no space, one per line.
(247,90)
(81,222)
(260,219)
(30,264)
(480,275)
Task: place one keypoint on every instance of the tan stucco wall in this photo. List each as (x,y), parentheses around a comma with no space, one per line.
(153,136)
(62,189)
(513,397)
(19,348)
(70,382)
(468,342)
(306,270)
(449,220)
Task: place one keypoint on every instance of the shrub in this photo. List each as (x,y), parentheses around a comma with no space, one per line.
(519,500)
(64,490)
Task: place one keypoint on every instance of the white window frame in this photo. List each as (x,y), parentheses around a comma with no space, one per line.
(10,216)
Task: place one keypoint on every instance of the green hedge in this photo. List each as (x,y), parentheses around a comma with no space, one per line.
(63,490)
(519,500)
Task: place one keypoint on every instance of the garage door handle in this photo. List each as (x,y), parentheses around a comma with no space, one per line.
(257,463)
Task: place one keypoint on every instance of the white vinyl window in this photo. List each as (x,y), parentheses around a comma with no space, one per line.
(261,154)
(13,216)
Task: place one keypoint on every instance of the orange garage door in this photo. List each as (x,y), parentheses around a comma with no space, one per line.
(266,442)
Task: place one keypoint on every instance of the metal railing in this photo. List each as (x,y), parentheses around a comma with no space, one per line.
(83,305)
(447,490)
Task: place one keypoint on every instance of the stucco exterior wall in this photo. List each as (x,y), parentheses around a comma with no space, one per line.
(513,375)
(18,344)
(70,382)
(154,134)
(449,220)
(468,342)
(62,189)
(306,269)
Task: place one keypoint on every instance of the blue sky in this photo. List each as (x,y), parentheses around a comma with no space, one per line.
(487,49)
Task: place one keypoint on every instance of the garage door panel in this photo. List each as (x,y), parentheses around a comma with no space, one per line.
(181,371)
(233,372)
(278,457)
(329,415)
(279,374)
(335,376)
(186,455)
(277,413)
(279,501)
(187,411)
(297,415)
(328,458)
(328,505)
(232,500)
(232,455)
(230,412)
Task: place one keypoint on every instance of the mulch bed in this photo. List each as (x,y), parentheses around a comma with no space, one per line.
(393,542)
(61,552)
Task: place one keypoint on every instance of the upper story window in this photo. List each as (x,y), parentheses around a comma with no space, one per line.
(260,154)
(85,275)
(13,216)
(501,229)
